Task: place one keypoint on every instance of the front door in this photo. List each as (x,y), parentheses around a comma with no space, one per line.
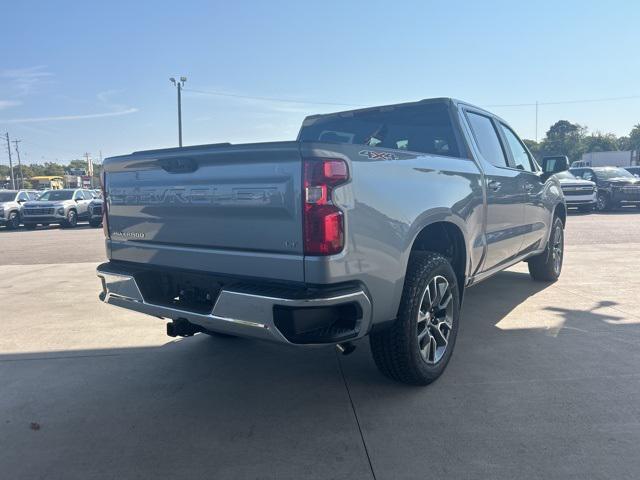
(536,216)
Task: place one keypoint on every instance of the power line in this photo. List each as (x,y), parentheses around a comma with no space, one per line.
(310,102)
(271,99)
(566,102)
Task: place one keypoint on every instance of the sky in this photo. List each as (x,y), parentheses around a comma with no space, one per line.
(78,76)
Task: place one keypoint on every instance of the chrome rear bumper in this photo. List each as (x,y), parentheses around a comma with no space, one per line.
(234,313)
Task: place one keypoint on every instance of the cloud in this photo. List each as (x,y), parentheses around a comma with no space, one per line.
(64,118)
(26,80)
(9,103)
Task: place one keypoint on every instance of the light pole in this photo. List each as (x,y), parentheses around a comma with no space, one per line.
(179,84)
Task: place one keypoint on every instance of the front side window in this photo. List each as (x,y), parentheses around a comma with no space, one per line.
(487,139)
(23,197)
(588,175)
(518,151)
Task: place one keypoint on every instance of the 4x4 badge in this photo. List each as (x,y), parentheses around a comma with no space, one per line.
(373,155)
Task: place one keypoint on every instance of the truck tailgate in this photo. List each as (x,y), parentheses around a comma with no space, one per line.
(225,209)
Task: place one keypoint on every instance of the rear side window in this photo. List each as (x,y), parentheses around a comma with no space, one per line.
(487,139)
(420,128)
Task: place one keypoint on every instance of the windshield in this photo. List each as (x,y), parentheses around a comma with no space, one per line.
(565,176)
(608,173)
(52,195)
(7,196)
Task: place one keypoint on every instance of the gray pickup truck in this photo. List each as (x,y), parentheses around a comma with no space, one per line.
(373,222)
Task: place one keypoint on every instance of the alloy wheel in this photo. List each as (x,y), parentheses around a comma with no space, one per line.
(601,203)
(435,319)
(557,247)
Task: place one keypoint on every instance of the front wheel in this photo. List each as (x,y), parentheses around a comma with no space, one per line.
(416,348)
(602,203)
(30,226)
(72,219)
(546,267)
(95,223)
(13,222)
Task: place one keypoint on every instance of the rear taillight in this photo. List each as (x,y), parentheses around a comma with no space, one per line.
(103,187)
(323,221)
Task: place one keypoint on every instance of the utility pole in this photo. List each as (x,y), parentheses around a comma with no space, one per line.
(179,84)
(89,168)
(13,181)
(536,121)
(16,142)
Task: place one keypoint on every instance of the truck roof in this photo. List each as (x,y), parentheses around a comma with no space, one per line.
(443,100)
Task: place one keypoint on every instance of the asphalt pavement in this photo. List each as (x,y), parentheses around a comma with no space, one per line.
(544,381)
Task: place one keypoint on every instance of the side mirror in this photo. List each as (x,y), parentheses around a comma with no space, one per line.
(555,164)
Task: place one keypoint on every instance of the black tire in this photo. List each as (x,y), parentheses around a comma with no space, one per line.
(603,204)
(398,351)
(95,223)
(30,226)
(13,222)
(547,266)
(72,219)
(586,209)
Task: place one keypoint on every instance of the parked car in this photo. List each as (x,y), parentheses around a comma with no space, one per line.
(95,212)
(11,202)
(65,207)
(635,170)
(374,222)
(616,186)
(578,193)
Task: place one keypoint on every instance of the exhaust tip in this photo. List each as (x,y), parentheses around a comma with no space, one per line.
(345,348)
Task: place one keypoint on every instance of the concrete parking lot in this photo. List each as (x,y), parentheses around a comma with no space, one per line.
(544,382)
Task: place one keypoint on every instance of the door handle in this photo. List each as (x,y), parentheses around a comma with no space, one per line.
(494,185)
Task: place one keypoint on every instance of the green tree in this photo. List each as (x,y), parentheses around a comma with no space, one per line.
(624,143)
(634,138)
(600,142)
(534,147)
(51,168)
(564,138)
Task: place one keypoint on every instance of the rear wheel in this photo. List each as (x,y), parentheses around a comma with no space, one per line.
(95,223)
(13,222)
(416,348)
(30,226)
(547,266)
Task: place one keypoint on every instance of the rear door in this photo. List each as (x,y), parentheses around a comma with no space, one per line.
(505,211)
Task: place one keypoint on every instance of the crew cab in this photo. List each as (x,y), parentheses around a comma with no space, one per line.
(372,223)
(616,186)
(64,207)
(11,202)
